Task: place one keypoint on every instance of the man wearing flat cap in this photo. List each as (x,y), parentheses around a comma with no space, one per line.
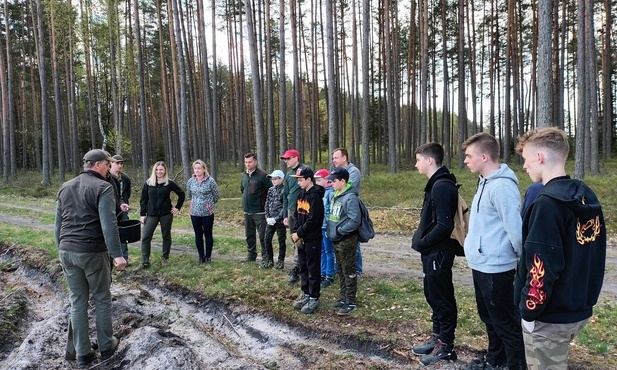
(87,234)
(124,188)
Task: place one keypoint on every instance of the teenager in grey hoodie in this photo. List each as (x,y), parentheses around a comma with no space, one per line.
(492,247)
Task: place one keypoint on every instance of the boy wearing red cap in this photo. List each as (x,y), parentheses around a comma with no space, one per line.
(291,189)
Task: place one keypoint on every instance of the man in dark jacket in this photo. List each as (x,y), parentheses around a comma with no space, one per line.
(437,249)
(86,234)
(254,187)
(124,192)
(307,236)
(561,269)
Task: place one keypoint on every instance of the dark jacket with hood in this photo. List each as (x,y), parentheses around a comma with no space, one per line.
(309,213)
(438,210)
(561,269)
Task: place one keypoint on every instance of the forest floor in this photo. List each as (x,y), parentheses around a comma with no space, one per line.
(168,327)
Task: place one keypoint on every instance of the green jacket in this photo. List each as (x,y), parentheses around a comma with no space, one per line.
(254,188)
(291,189)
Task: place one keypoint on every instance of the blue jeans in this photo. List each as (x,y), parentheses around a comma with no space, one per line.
(203,226)
(358,260)
(327,256)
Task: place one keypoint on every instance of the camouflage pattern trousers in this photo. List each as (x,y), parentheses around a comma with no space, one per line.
(345,255)
(546,346)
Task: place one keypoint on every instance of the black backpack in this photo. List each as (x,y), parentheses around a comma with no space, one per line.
(366,231)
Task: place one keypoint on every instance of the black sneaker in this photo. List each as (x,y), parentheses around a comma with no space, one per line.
(347,309)
(268,264)
(326,282)
(106,355)
(310,306)
(85,361)
(293,276)
(442,351)
(482,364)
(426,348)
(303,300)
(279,265)
(338,304)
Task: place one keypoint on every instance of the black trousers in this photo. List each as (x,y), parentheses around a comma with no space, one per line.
(309,260)
(495,301)
(439,293)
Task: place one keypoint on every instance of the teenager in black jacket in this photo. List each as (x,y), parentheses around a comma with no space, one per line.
(561,269)
(307,236)
(437,250)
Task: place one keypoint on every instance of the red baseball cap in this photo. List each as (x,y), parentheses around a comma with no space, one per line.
(290,153)
(323,173)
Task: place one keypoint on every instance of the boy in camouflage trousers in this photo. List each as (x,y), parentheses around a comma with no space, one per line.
(343,223)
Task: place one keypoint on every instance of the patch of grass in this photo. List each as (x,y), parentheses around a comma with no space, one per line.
(13,306)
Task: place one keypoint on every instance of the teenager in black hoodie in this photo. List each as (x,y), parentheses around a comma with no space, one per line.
(306,235)
(560,273)
(437,249)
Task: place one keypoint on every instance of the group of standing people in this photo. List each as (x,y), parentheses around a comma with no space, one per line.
(322,213)
(89,208)
(536,276)
(537,273)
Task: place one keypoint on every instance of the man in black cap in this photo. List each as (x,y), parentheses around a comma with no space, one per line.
(124,182)
(87,234)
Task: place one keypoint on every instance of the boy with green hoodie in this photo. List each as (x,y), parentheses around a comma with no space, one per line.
(343,222)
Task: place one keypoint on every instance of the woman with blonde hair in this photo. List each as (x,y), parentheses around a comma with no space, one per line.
(156,208)
(203,192)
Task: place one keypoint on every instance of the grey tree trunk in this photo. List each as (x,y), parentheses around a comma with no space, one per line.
(4,100)
(462,110)
(331,77)
(182,119)
(213,126)
(57,95)
(143,124)
(85,30)
(545,67)
(423,21)
(10,95)
(46,181)
(282,82)
(582,88)
(297,121)
(592,88)
(366,92)
(389,90)
(607,133)
(260,139)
